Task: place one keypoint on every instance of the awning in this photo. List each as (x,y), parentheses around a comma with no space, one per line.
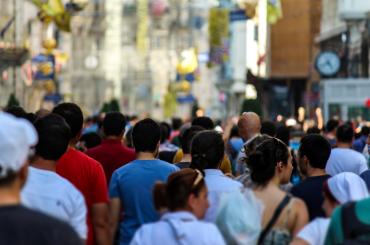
(331,33)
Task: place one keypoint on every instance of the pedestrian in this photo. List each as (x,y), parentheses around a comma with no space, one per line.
(343,158)
(359,144)
(185,199)
(185,139)
(338,190)
(234,144)
(20,225)
(208,124)
(283,216)
(131,185)
(112,154)
(245,178)
(87,175)
(331,131)
(249,126)
(207,153)
(39,193)
(313,154)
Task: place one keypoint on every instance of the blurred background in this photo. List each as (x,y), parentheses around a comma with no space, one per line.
(301,59)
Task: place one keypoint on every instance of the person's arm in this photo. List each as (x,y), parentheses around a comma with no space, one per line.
(301,218)
(114,209)
(99,209)
(100,221)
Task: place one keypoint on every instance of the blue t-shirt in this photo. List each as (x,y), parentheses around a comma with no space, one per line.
(133,185)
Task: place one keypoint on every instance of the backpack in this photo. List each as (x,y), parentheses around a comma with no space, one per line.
(355,232)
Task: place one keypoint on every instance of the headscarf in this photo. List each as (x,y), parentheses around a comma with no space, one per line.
(347,187)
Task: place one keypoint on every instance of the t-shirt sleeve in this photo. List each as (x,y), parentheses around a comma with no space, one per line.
(114,186)
(138,237)
(309,233)
(335,231)
(78,219)
(363,166)
(99,185)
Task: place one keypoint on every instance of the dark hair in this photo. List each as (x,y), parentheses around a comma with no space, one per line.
(187,136)
(234,132)
(8,179)
(146,135)
(165,131)
(331,125)
(175,193)
(327,193)
(316,148)
(16,111)
(73,116)
(54,135)
(345,133)
(128,137)
(91,139)
(114,124)
(204,122)
(207,150)
(313,130)
(252,145)
(176,123)
(269,128)
(283,134)
(365,130)
(263,160)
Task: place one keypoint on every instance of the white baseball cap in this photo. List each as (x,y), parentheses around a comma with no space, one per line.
(17,136)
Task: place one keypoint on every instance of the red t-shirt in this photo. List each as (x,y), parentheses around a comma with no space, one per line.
(112,155)
(88,176)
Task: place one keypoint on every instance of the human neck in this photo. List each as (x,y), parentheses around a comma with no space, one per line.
(113,137)
(40,163)
(344,144)
(186,158)
(272,184)
(145,156)
(312,172)
(9,196)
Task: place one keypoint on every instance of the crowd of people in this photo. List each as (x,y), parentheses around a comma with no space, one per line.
(114,179)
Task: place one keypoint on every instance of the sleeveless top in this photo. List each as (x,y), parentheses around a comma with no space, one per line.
(280,235)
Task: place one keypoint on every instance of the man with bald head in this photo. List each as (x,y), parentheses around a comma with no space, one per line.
(249,126)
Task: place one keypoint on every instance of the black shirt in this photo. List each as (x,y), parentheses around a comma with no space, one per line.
(183,165)
(22,226)
(311,192)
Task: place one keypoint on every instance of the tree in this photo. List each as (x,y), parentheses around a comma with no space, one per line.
(12,101)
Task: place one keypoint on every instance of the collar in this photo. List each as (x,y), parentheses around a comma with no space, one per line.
(213,172)
(111,141)
(179,215)
(250,139)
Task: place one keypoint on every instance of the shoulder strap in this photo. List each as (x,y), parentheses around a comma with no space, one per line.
(274,218)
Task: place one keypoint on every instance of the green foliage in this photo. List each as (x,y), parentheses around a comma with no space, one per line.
(110,106)
(252,105)
(12,101)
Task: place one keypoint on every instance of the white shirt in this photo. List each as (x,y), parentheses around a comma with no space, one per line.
(345,160)
(49,193)
(218,184)
(178,228)
(314,233)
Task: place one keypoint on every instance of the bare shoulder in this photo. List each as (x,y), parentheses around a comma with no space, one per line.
(298,203)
